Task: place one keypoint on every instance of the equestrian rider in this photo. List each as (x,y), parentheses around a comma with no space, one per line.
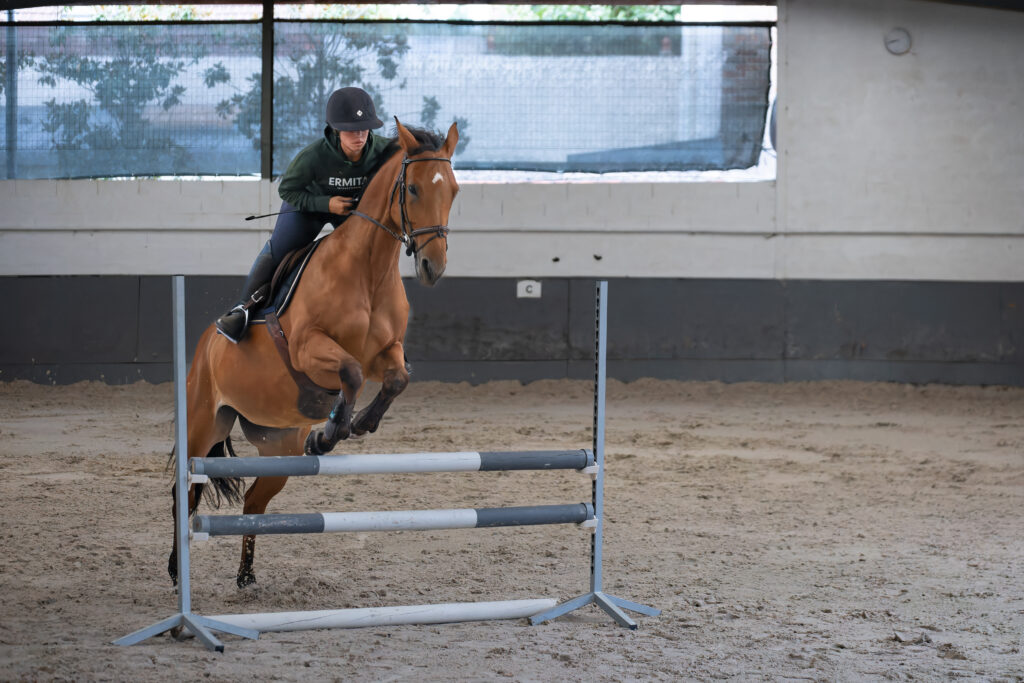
(322,185)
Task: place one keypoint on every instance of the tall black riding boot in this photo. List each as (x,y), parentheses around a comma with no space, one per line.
(234,323)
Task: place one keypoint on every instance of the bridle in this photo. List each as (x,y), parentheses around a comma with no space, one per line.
(407,234)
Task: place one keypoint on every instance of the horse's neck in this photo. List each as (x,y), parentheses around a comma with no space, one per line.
(365,248)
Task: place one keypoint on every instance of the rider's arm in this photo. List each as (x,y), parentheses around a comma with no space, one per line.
(294,186)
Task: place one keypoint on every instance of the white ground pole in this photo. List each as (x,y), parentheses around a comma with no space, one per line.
(389,616)
(610,604)
(199,625)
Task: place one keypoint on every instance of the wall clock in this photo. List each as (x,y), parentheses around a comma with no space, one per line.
(897,41)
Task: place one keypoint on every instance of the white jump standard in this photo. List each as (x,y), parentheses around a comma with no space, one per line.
(198,470)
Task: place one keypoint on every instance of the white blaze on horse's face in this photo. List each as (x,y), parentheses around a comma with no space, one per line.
(428,208)
(432,259)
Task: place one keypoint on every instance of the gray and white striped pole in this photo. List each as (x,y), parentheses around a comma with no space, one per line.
(392,463)
(400,520)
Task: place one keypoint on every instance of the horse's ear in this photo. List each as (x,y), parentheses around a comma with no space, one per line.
(405,138)
(451,141)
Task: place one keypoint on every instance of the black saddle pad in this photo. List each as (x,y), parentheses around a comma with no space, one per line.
(285,288)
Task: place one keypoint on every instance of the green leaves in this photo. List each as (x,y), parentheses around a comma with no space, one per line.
(125,69)
(217,73)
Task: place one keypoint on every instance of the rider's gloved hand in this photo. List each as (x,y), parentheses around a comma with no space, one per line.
(341,205)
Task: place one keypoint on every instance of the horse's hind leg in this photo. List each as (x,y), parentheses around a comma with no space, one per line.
(207,432)
(390,365)
(268,441)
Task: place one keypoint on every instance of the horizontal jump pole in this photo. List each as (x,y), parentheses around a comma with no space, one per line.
(400,520)
(387,616)
(391,463)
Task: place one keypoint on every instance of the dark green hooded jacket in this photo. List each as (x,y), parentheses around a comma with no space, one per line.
(321,171)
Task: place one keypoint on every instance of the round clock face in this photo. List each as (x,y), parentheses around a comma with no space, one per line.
(897,41)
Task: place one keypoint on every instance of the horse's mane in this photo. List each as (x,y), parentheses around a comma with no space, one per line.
(429,141)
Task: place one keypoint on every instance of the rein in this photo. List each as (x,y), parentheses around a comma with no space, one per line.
(407,234)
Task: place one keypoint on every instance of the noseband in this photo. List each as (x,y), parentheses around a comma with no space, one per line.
(407,231)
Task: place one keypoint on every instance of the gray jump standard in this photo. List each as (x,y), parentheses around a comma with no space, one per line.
(250,625)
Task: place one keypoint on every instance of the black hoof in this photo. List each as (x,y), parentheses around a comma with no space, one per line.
(359,430)
(245,580)
(363,424)
(314,444)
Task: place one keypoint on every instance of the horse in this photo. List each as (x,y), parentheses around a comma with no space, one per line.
(345,324)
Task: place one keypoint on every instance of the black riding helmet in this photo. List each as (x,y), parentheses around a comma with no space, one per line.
(352,109)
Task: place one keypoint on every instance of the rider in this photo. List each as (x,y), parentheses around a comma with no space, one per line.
(322,185)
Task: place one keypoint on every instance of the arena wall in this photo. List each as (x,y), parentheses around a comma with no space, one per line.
(890,245)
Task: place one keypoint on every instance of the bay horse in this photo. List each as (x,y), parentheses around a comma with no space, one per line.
(345,324)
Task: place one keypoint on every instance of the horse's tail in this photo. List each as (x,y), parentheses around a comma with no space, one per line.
(230,490)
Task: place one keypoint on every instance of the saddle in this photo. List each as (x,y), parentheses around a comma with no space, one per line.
(277,294)
(315,401)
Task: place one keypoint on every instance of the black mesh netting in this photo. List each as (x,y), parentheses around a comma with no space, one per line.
(126,100)
(115,100)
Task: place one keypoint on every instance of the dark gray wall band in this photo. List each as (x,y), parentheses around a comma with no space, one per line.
(117,329)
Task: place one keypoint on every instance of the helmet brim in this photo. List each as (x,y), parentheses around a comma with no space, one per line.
(369,124)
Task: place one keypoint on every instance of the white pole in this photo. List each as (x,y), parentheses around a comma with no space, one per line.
(388,616)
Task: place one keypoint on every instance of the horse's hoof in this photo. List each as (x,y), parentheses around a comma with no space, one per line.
(312,445)
(181,633)
(245,580)
(361,426)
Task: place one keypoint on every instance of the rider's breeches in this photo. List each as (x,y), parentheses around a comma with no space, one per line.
(295,229)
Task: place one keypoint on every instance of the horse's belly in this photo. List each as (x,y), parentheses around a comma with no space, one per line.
(252,379)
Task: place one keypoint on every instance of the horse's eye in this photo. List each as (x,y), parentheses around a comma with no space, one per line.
(413,191)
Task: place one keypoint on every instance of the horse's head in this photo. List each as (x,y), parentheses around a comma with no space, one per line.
(427,189)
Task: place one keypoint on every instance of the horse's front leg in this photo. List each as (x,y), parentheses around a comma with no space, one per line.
(390,365)
(320,357)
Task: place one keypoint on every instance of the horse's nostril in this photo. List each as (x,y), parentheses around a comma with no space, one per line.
(425,266)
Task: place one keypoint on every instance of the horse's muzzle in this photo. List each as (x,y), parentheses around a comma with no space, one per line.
(429,272)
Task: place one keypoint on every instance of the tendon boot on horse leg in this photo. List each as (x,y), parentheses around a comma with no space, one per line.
(234,323)
(339,422)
